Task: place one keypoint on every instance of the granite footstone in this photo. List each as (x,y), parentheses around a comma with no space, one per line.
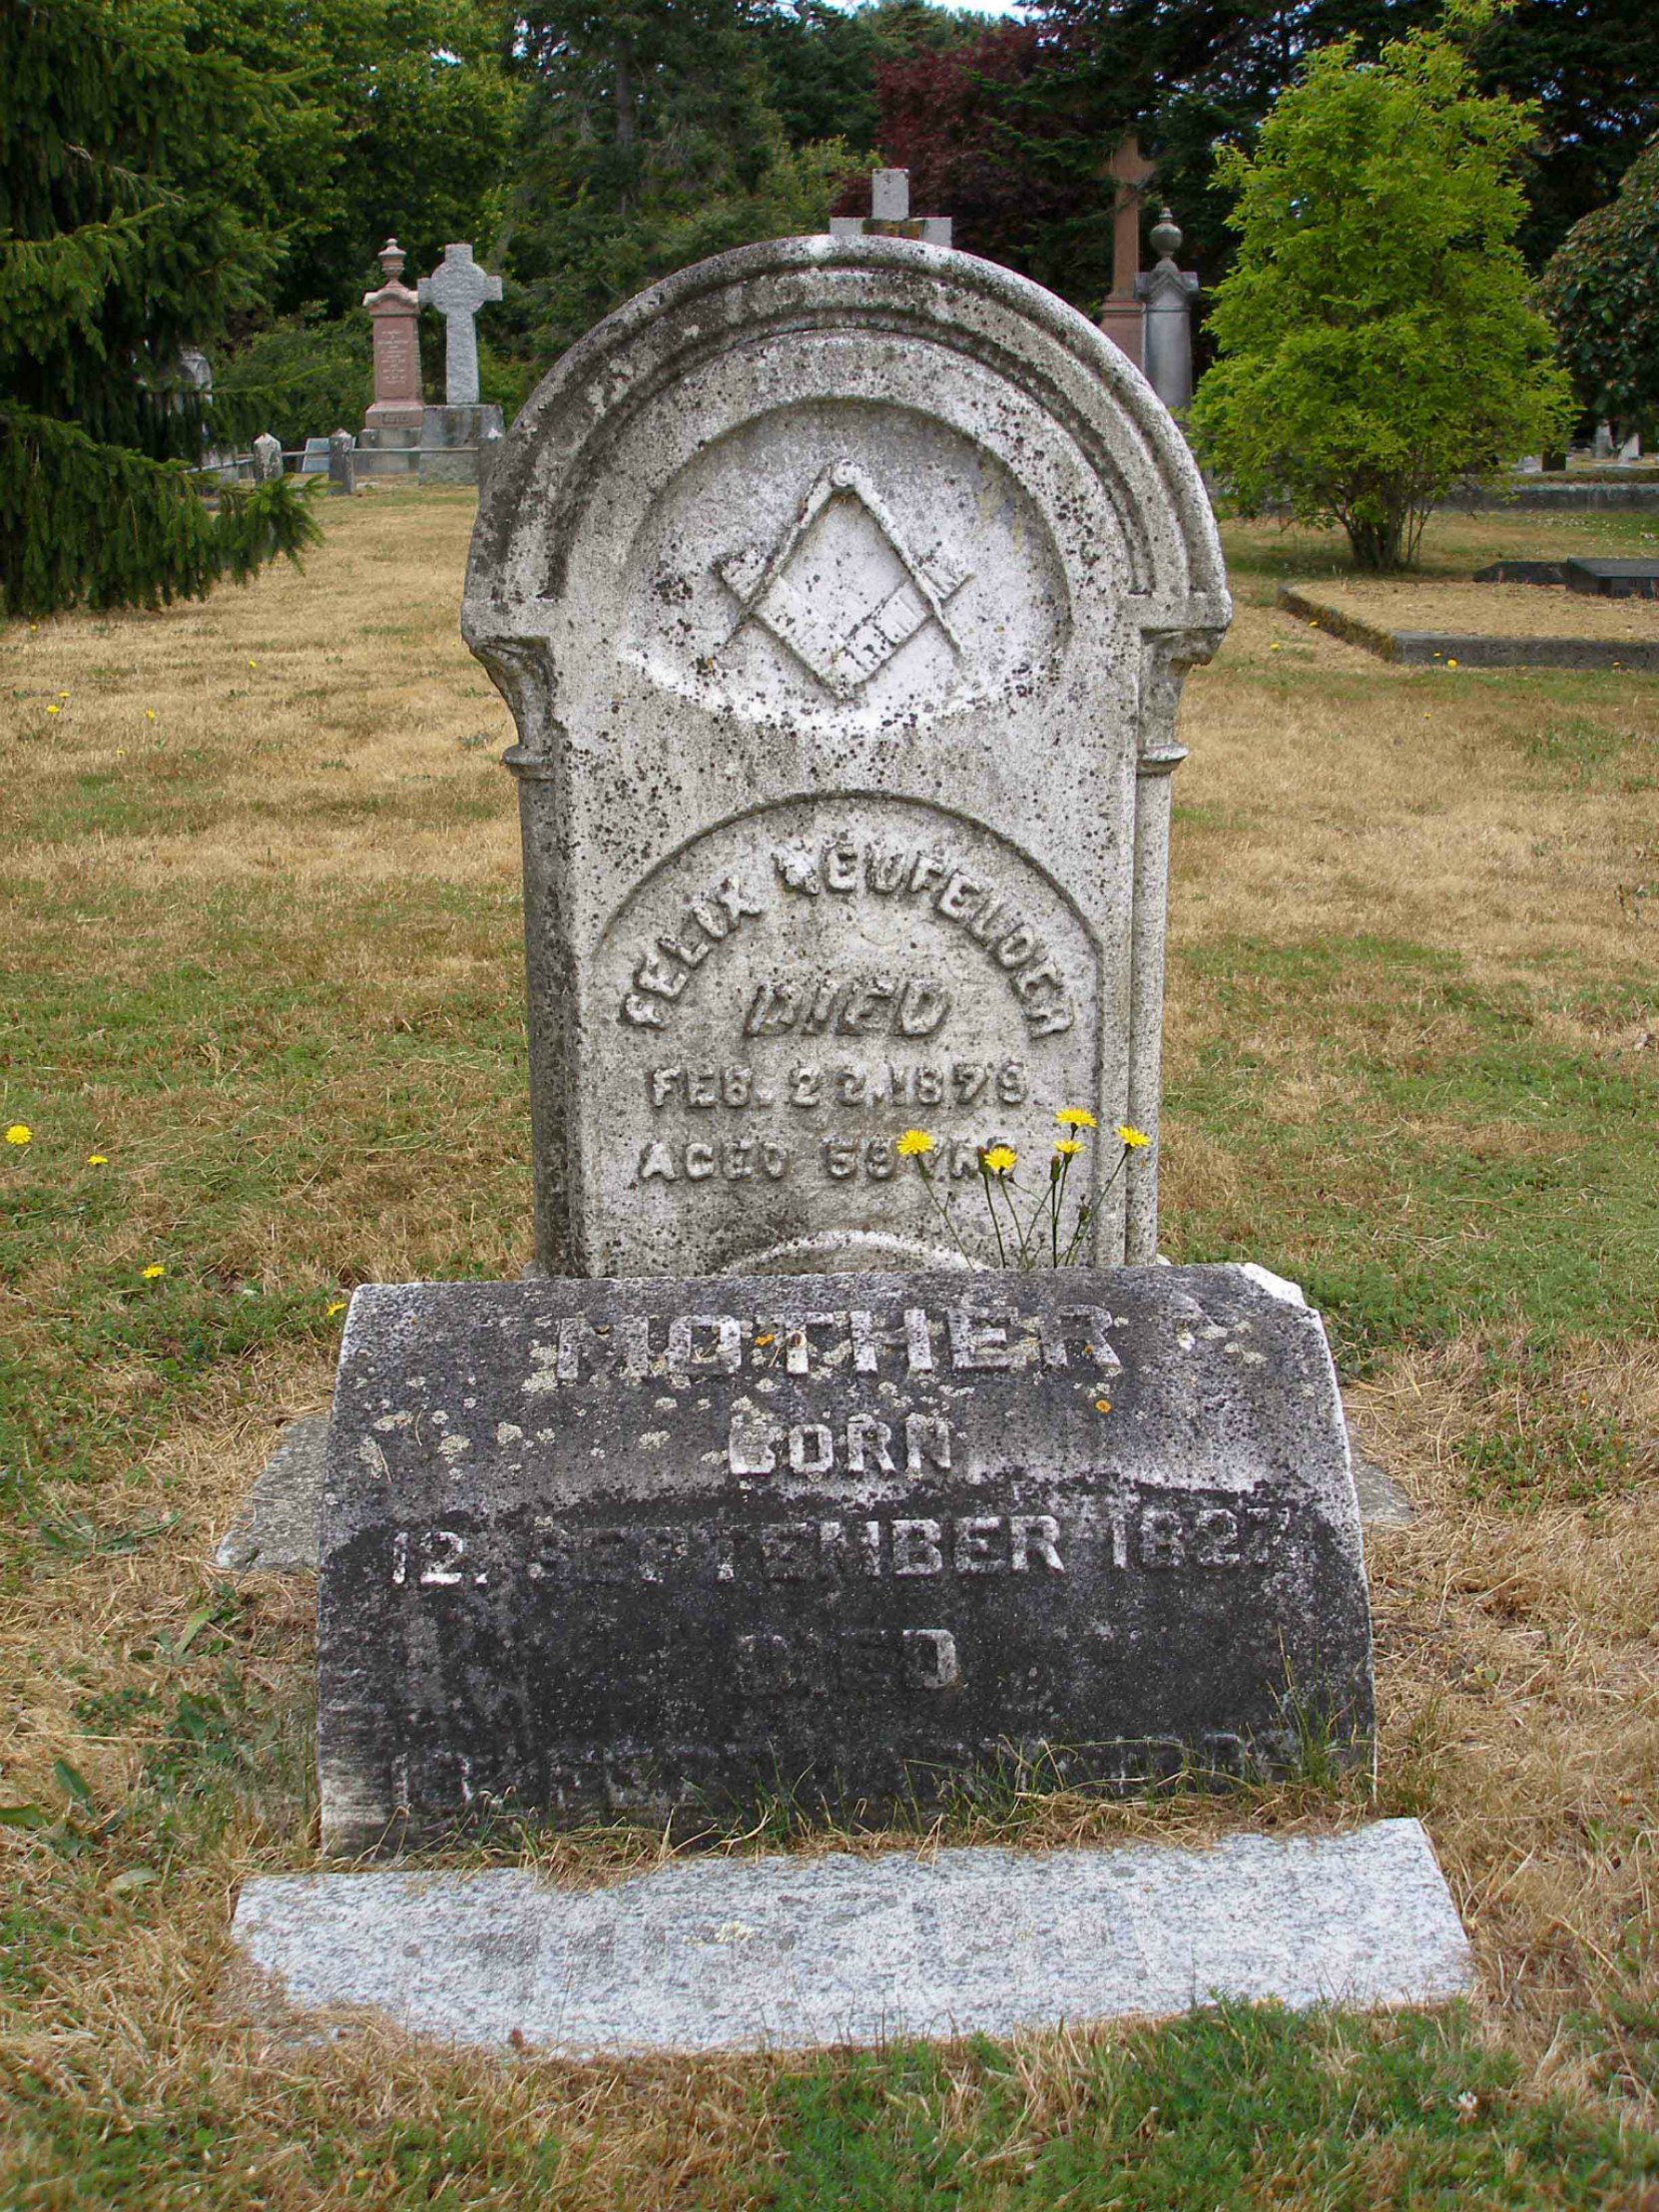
(792,1953)
(668,1547)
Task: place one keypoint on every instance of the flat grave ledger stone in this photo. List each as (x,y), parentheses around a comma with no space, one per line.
(598,1547)
(1595,578)
(843,592)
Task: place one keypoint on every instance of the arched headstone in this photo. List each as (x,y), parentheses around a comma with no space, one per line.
(843,592)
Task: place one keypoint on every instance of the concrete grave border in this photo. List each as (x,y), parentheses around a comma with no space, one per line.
(1424,648)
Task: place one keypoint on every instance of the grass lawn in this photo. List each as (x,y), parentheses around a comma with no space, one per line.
(261,928)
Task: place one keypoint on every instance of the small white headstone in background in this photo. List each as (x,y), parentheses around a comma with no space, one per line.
(889,214)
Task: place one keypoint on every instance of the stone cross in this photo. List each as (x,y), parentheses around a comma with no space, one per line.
(889,214)
(459,287)
(1122,318)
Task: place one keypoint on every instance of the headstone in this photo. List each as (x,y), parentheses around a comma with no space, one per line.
(662,1547)
(459,287)
(314,460)
(1123,314)
(889,214)
(343,464)
(1168,295)
(1603,447)
(395,313)
(842,594)
(268,457)
(1631,449)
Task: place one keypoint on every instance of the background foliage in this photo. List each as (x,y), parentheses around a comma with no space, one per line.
(130,154)
(1377,340)
(1602,293)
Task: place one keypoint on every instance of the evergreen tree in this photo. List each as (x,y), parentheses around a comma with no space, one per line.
(650,142)
(120,246)
(1601,291)
(1376,338)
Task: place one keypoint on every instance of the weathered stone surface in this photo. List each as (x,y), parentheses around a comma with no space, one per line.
(450,442)
(842,591)
(277,1529)
(665,1545)
(724,1954)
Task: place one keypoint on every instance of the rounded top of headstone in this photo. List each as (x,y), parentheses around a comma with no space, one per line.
(1166,237)
(894,328)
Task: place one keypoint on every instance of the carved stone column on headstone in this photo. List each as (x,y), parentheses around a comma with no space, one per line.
(842,594)
(396,312)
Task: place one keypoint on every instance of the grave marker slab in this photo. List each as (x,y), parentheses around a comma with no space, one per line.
(842,591)
(657,1546)
(771,1953)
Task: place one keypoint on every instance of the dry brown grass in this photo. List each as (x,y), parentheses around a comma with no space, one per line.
(1327,795)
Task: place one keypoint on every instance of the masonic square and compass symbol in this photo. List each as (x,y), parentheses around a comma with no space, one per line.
(840,590)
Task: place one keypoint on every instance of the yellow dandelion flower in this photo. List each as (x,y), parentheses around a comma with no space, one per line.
(149,714)
(1000,1159)
(1075,1117)
(913,1144)
(20,1133)
(768,1338)
(337,1305)
(98,1159)
(54,709)
(1132,1137)
(253,664)
(155,1271)
(1451,664)
(1103,1406)
(1067,1145)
